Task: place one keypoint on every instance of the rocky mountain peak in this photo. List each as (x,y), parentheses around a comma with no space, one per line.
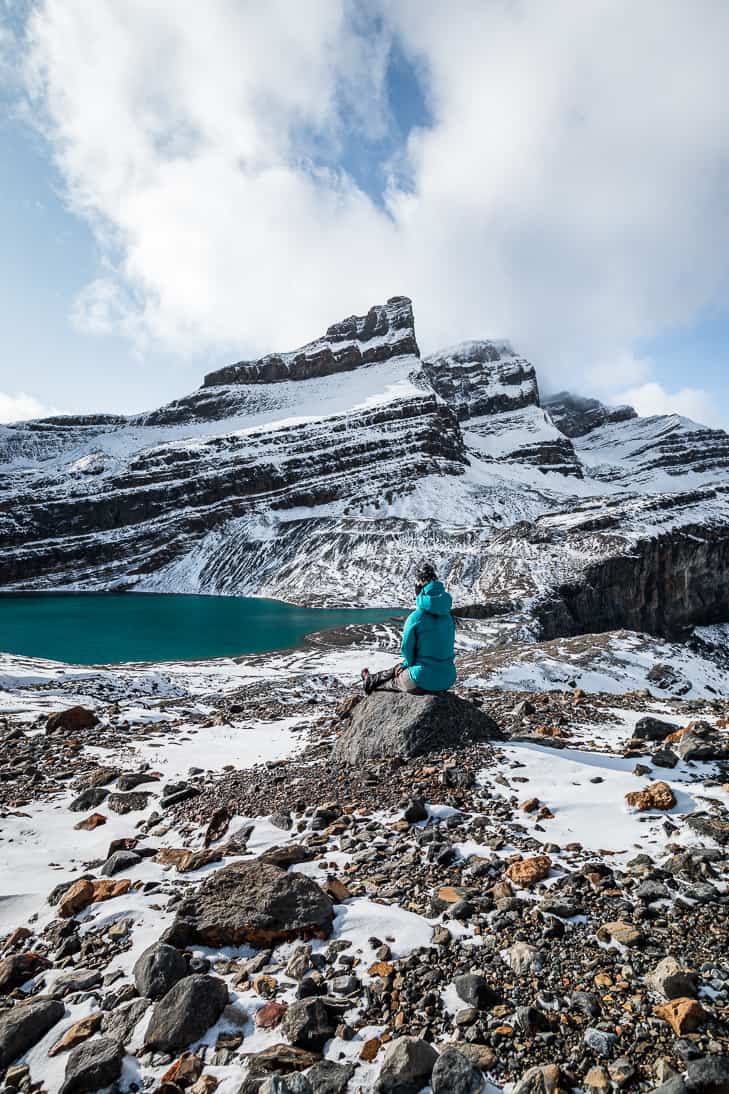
(387,330)
(478,378)
(576,415)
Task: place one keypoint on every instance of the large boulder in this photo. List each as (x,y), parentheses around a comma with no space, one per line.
(72,720)
(253,903)
(308,1024)
(406,1067)
(188,1010)
(93,1065)
(392,723)
(158,969)
(23,1025)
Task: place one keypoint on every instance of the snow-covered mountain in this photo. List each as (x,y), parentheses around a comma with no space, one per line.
(323,474)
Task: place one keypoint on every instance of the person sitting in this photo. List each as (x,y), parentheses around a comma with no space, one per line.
(428,639)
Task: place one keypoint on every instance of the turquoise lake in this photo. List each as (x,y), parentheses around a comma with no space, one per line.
(102,628)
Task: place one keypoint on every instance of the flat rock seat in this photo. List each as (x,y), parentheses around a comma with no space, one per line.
(390,724)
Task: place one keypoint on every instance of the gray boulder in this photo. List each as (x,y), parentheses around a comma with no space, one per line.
(255,903)
(308,1024)
(23,1025)
(329,1077)
(708,1075)
(475,990)
(672,981)
(120,860)
(406,1066)
(188,1010)
(703,742)
(454,1074)
(158,969)
(128,803)
(390,723)
(92,1065)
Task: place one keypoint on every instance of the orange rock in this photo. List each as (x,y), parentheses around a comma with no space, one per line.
(184,1071)
(265,985)
(449,894)
(187,861)
(530,805)
(656,796)
(530,870)
(337,890)
(683,1015)
(381,968)
(75,899)
(370,1049)
(83,893)
(77,1033)
(270,1015)
(107,889)
(94,821)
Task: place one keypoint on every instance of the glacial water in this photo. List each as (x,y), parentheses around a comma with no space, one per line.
(103,628)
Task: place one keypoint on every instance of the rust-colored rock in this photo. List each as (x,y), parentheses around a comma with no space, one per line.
(683,1015)
(282,1057)
(381,968)
(270,1015)
(186,861)
(18,968)
(449,894)
(656,796)
(83,893)
(530,805)
(72,720)
(337,890)
(627,934)
(530,870)
(369,1049)
(77,1033)
(88,824)
(184,1071)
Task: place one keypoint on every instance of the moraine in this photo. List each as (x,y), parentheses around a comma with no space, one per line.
(101,628)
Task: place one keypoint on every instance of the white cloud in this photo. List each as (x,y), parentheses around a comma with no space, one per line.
(570,193)
(691,402)
(18,406)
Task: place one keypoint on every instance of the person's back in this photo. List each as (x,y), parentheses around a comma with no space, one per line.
(428,642)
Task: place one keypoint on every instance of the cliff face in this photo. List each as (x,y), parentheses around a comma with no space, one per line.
(324,474)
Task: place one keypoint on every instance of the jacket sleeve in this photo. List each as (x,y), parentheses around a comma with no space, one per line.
(409,648)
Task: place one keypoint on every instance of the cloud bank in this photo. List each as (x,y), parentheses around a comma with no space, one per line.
(569,192)
(19,406)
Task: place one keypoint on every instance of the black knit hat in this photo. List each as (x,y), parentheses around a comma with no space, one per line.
(425,573)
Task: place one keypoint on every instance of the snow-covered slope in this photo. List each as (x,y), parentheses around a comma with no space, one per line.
(322,475)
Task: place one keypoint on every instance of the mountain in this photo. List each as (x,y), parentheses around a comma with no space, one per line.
(322,475)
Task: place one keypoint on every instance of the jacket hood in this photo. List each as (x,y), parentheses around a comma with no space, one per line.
(434,599)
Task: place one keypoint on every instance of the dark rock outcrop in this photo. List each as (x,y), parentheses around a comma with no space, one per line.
(391,723)
(255,903)
(386,331)
(575,415)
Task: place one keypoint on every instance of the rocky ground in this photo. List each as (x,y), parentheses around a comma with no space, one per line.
(195,894)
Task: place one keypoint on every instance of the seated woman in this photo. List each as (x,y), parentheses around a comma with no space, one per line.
(427,642)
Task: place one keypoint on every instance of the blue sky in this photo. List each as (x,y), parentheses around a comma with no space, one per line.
(168,205)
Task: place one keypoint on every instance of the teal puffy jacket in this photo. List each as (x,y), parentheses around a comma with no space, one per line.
(428,639)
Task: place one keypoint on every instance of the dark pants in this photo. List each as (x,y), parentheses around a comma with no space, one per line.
(401,678)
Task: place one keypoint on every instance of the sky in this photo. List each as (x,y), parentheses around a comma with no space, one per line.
(184,185)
